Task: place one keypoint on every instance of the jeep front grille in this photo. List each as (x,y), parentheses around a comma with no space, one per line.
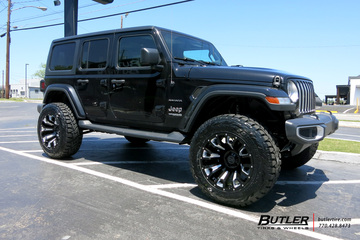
(306,96)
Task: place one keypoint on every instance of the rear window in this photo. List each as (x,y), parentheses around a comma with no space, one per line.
(62,57)
(94,54)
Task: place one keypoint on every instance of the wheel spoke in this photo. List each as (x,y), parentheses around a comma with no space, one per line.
(235,181)
(243,170)
(49,136)
(222,179)
(52,142)
(211,170)
(243,152)
(209,155)
(216,143)
(43,129)
(47,122)
(230,141)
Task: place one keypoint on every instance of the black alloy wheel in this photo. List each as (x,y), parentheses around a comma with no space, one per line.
(234,160)
(58,132)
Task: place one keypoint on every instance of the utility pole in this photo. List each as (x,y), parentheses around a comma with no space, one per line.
(8,41)
(7,88)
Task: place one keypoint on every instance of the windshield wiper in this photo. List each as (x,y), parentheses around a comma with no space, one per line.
(210,63)
(186,59)
(194,60)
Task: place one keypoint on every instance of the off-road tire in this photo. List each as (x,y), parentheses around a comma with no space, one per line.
(234,160)
(58,131)
(300,159)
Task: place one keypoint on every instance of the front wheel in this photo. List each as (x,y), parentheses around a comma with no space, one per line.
(234,160)
(58,131)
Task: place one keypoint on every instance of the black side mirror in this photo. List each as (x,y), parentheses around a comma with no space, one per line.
(149,57)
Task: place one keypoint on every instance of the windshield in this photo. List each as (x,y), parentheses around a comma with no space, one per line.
(190,49)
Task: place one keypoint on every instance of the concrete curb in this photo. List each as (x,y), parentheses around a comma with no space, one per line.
(349,124)
(352,158)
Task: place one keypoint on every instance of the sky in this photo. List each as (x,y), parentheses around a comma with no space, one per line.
(319,39)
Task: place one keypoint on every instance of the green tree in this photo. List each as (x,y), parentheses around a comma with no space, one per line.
(41,72)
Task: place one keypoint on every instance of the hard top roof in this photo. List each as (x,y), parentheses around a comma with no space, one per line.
(120,30)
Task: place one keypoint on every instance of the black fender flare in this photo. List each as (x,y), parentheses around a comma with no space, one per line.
(71,95)
(258,92)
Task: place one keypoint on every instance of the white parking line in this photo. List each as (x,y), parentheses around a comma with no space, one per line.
(31,151)
(10,142)
(123,162)
(207,205)
(173,185)
(318,182)
(5,136)
(10,129)
(349,135)
(349,110)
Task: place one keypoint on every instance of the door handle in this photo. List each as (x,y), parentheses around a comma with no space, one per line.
(104,82)
(83,81)
(117,82)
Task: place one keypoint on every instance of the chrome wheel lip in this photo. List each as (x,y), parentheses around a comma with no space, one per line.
(49,131)
(226,162)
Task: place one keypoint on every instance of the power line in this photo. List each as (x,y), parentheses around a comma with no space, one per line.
(106,16)
(57,12)
(49,14)
(3,9)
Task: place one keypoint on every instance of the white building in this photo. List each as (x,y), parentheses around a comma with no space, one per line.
(354,83)
(17,90)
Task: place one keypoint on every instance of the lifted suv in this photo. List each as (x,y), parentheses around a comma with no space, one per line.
(150,83)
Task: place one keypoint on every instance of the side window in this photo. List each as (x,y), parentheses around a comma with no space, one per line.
(62,57)
(130,50)
(94,54)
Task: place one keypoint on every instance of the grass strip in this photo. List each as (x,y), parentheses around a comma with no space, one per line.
(349,120)
(336,145)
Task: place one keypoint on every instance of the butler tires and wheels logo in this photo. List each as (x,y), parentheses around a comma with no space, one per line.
(283,222)
(302,222)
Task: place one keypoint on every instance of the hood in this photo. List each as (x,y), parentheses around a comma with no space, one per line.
(246,75)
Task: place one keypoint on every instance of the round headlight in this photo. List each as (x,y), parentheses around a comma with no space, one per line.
(293,91)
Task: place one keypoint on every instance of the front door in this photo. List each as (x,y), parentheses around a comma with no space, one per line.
(137,92)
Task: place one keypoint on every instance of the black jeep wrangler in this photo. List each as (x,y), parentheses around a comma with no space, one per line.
(150,83)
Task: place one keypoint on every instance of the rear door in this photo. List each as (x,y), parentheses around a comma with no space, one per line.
(92,76)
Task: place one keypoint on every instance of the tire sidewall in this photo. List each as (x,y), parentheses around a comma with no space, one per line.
(248,134)
(54,109)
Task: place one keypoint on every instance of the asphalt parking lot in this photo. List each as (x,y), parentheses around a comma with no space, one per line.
(113,190)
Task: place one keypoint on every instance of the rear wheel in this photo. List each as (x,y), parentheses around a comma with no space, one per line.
(58,132)
(234,160)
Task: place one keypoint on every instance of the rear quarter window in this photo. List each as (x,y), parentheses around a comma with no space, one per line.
(62,57)
(94,54)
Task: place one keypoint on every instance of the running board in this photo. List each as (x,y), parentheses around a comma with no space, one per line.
(175,137)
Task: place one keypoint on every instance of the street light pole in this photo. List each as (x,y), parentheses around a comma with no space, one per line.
(8,41)
(26,88)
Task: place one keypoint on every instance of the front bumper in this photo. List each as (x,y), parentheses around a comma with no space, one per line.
(309,129)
